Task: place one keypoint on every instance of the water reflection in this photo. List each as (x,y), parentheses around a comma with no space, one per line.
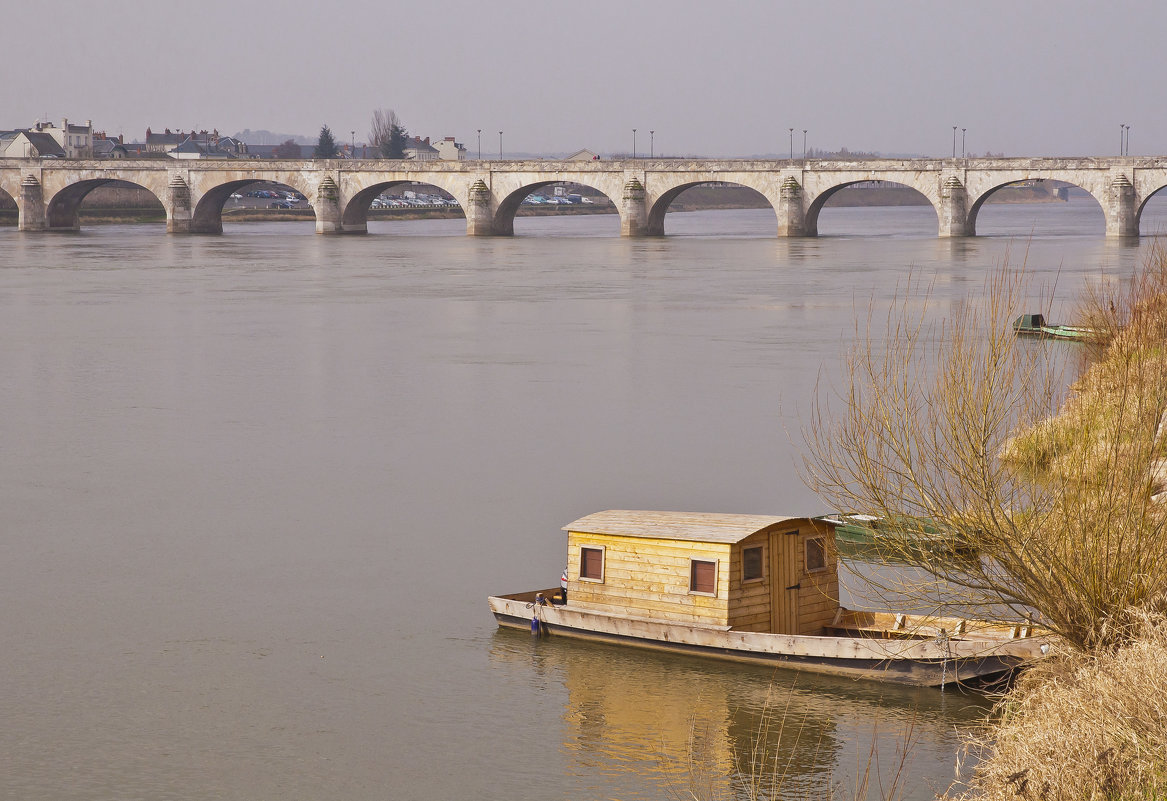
(647,723)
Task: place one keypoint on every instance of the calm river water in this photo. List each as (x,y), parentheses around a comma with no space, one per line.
(255,489)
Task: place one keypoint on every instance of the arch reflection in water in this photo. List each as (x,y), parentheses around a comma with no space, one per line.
(639,724)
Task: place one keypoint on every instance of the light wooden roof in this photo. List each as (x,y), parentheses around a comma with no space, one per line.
(689,526)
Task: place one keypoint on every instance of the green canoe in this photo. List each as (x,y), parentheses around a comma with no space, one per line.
(861,536)
(1034,325)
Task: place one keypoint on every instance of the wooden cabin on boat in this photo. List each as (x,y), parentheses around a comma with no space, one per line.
(753,573)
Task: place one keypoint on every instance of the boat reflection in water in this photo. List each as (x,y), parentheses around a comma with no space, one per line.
(644,724)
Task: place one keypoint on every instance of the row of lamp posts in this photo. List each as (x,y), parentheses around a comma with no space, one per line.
(792,143)
(962,133)
(480,144)
(651,143)
(1124,142)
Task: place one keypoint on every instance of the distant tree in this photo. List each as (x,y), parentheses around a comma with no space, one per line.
(326,145)
(288,150)
(387,134)
(398,139)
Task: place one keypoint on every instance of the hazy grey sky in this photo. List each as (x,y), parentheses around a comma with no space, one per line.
(711,78)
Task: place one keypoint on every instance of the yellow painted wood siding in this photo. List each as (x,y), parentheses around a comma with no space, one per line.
(650,578)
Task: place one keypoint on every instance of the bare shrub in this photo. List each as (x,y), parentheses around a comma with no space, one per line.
(953,431)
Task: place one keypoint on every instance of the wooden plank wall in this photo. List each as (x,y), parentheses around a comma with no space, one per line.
(749,602)
(650,578)
(818,597)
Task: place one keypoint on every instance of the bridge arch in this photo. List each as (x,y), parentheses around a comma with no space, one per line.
(506,209)
(665,187)
(207,214)
(659,207)
(977,205)
(8,203)
(355,214)
(10,186)
(816,204)
(1155,197)
(63,206)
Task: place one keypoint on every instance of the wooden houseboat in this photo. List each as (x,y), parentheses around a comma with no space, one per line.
(749,588)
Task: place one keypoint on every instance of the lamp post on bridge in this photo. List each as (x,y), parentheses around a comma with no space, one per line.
(480,144)
(804,144)
(651,143)
(954,141)
(500,145)
(1128,140)
(633,143)
(353,134)
(962,132)
(792,144)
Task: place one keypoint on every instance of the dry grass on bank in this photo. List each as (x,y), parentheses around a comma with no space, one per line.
(1083,727)
(1118,403)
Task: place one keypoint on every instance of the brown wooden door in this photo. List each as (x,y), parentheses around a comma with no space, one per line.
(784,582)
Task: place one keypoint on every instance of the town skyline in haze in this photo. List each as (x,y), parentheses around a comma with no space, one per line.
(1038,78)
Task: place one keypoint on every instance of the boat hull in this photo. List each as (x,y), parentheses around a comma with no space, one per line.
(922,662)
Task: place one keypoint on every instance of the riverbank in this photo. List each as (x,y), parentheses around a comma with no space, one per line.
(1081,724)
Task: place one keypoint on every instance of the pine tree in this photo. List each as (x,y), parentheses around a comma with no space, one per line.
(326,145)
(394,147)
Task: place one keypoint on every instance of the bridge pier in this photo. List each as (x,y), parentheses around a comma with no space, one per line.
(953,210)
(178,206)
(1121,208)
(30,212)
(479,214)
(634,209)
(327,207)
(791,211)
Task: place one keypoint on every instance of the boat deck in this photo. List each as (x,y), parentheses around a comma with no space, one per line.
(852,623)
(926,627)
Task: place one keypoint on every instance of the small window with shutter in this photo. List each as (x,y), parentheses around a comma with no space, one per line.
(591,563)
(703,577)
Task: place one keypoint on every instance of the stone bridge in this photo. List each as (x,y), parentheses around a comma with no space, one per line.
(48,192)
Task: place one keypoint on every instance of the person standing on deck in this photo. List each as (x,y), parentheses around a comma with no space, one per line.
(563,586)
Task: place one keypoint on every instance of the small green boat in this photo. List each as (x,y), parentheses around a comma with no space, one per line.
(1034,325)
(861,536)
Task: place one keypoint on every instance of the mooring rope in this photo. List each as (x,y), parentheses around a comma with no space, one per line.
(944,641)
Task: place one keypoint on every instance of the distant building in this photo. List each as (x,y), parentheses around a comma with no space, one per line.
(75,140)
(45,140)
(161,142)
(30,144)
(450,150)
(105,147)
(420,149)
(583,155)
(168,140)
(286,151)
(193,148)
(229,144)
